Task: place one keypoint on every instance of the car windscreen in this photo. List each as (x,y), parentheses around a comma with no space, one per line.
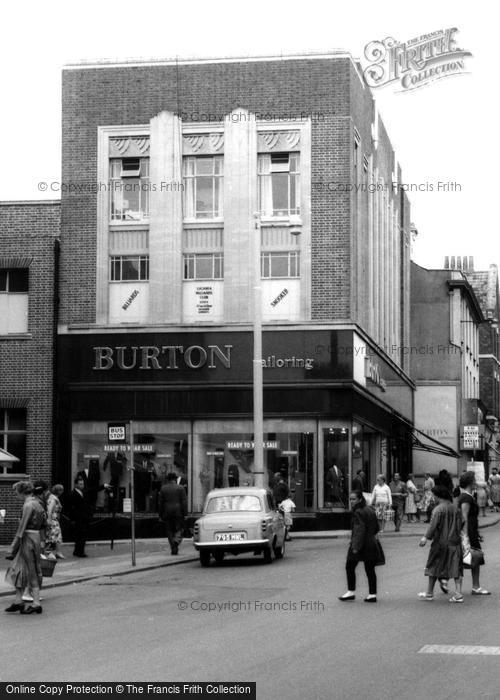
(222,504)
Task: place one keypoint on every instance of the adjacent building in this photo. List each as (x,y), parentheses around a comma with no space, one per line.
(486,289)
(29,238)
(445,322)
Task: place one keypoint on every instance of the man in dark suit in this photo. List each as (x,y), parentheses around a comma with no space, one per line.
(79,512)
(91,481)
(335,482)
(172,508)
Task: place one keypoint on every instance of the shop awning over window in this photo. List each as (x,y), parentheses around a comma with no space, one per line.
(7,457)
(421,441)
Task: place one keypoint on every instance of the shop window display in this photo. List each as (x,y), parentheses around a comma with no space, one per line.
(227,459)
(156,452)
(336,467)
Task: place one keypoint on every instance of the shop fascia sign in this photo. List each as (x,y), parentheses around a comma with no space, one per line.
(161,357)
(156,357)
(372,372)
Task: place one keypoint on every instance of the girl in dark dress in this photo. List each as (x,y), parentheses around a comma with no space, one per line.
(470,511)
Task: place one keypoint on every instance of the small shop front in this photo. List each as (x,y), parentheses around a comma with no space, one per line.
(328,414)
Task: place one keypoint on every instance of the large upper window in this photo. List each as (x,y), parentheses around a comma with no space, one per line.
(203,266)
(13,300)
(279,193)
(280,264)
(13,437)
(129,189)
(203,190)
(125,268)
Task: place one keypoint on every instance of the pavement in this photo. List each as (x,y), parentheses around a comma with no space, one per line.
(102,561)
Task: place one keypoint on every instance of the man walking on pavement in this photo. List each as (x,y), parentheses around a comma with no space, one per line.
(172,508)
(398,492)
(79,511)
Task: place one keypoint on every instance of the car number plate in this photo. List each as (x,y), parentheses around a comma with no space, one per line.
(229,536)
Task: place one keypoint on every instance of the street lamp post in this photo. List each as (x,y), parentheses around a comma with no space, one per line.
(258,410)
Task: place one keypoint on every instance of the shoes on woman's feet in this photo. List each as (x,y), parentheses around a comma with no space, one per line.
(29,609)
(443,585)
(456,598)
(15,607)
(480,591)
(60,556)
(371,599)
(347,596)
(425,596)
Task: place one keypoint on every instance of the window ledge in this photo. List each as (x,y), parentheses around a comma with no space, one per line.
(10,476)
(16,336)
(203,223)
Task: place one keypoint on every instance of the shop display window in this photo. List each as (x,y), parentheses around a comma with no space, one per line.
(159,448)
(224,459)
(336,467)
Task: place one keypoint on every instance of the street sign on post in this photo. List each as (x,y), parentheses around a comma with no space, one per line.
(117,433)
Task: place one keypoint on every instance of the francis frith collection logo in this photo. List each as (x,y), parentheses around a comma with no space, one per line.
(414,63)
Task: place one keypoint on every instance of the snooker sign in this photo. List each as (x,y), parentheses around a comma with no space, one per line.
(117,433)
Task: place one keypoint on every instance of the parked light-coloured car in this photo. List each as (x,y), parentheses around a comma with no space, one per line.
(236,520)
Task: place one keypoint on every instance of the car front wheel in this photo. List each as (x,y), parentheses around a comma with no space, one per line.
(205,558)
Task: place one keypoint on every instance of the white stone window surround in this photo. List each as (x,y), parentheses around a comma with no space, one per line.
(104,134)
(303,221)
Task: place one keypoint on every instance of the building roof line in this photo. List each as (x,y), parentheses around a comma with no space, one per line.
(140,62)
(30,202)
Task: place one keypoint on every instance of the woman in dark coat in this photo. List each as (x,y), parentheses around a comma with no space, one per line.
(470,510)
(445,556)
(364,547)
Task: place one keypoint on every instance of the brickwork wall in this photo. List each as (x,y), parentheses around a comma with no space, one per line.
(133,95)
(30,229)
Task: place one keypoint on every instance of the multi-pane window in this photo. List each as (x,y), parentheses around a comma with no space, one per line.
(129,189)
(280,264)
(14,300)
(127,268)
(13,436)
(203,187)
(279,184)
(203,266)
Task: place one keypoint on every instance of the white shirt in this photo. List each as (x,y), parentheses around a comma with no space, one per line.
(381,494)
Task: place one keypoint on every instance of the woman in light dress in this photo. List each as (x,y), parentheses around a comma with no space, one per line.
(428,501)
(494,484)
(410,504)
(381,500)
(53,537)
(25,551)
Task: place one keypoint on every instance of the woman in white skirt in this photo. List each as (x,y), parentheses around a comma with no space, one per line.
(381,500)
(410,504)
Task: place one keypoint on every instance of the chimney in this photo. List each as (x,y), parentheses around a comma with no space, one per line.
(447,263)
(452,262)
(471,263)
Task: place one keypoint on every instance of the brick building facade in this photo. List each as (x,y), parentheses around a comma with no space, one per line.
(165,166)
(29,235)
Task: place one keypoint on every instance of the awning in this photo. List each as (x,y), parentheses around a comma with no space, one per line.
(7,457)
(421,441)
